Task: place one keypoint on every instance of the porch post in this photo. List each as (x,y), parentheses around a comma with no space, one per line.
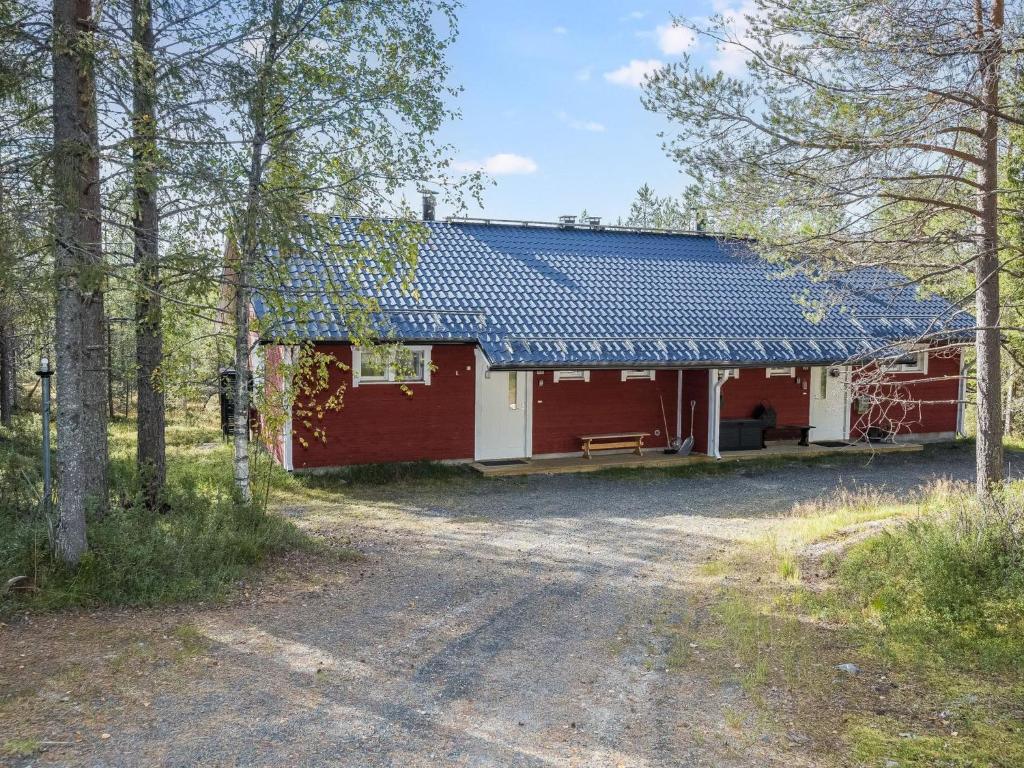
(679,406)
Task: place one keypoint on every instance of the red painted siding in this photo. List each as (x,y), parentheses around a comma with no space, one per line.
(695,389)
(568,409)
(914,403)
(788,395)
(380,423)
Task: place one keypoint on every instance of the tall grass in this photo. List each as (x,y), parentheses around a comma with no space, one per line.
(200,542)
(950,583)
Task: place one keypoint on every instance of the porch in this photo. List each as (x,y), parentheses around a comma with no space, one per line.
(654,458)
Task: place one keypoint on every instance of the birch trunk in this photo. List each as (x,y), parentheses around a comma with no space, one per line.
(241,425)
(249,244)
(81,375)
(151,450)
(989,445)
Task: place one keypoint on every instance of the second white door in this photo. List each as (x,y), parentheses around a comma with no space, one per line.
(830,406)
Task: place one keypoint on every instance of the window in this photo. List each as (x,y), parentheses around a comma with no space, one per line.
(772,372)
(373,365)
(410,364)
(391,365)
(630,375)
(572,376)
(513,390)
(912,362)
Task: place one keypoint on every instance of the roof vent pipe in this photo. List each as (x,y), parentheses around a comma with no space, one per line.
(429,204)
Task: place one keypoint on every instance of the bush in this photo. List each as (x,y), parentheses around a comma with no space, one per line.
(949,583)
(202,541)
(20,478)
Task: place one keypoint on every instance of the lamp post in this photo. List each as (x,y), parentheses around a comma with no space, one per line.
(45,373)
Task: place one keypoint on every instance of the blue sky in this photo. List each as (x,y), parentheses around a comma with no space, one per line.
(551,103)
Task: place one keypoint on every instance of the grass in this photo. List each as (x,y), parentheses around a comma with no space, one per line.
(385,474)
(947,588)
(931,610)
(204,542)
(21,748)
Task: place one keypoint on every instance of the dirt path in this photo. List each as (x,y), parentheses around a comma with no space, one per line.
(491,623)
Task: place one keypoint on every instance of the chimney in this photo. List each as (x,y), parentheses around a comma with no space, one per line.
(429,202)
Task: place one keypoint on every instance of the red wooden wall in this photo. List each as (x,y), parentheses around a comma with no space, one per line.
(380,423)
(788,395)
(695,388)
(564,411)
(914,403)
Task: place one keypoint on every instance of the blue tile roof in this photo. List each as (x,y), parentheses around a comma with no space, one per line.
(548,297)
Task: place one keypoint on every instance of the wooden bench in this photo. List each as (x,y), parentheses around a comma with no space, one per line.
(634,440)
(805,431)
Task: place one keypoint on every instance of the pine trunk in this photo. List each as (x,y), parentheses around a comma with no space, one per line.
(1011,386)
(987,266)
(8,384)
(81,376)
(7,376)
(151,451)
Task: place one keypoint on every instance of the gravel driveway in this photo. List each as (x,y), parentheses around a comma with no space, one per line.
(491,623)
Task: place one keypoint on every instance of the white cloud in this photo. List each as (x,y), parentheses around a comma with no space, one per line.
(635,73)
(581,125)
(674,40)
(584,74)
(501,164)
(560,30)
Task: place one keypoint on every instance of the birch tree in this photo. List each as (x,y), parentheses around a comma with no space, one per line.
(862,134)
(333,108)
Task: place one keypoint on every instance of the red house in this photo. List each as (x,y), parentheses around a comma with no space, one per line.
(519,339)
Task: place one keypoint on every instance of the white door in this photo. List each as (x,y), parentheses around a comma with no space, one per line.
(830,407)
(502,412)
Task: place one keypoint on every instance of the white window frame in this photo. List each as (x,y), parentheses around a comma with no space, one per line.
(919,366)
(779,371)
(638,375)
(572,376)
(729,373)
(390,376)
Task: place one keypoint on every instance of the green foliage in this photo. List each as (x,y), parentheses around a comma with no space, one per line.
(880,741)
(20,747)
(650,210)
(20,478)
(950,586)
(201,542)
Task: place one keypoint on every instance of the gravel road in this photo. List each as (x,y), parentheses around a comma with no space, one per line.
(490,623)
